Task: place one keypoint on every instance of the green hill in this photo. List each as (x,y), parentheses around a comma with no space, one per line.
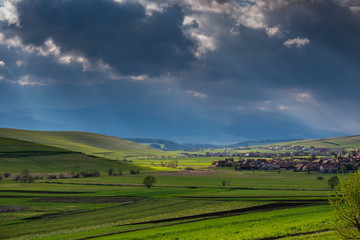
(333,143)
(17,155)
(89,143)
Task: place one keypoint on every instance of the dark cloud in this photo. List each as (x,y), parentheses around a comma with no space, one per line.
(122,35)
(329,25)
(328,63)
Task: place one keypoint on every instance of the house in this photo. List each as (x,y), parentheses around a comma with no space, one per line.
(327,168)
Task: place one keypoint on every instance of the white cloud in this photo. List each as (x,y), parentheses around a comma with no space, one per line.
(196,94)
(8,12)
(297,42)
(262,108)
(210,6)
(19,63)
(69,58)
(150,6)
(2,63)
(273,31)
(354,5)
(188,20)
(282,108)
(303,97)
(1,77)
(139,77)
(205,43)
(240,108)
(27,81)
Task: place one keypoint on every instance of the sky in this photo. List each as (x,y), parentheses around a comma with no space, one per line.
(215,71)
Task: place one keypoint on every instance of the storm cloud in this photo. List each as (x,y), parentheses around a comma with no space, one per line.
(120,35)
(225,62)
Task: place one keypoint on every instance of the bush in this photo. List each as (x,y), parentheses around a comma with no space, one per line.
(75,174)
(90,173)
(25,177)
(320,178)
(52,176)
(189,168)
(62,176)
(7,175)
(137,171)
(110,171)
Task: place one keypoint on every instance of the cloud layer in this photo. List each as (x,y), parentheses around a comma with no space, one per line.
(219,59)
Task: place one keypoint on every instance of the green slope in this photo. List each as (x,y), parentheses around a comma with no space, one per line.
(89,143)
(17,155)
(333,143)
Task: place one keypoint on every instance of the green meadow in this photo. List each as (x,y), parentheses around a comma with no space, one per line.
(203,203)
(54,210)
(89,143)
(17,155)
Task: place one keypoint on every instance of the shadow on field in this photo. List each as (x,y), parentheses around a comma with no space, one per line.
(234,212)
(220,214)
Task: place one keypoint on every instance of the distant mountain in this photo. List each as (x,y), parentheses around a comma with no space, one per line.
(170,145)
(261,142)
(177,125)
(331,143)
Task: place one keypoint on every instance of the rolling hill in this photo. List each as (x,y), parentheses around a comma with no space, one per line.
(17,155)
(333,143)
(89,143)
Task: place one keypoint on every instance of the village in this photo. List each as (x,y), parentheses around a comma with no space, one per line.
(320,160)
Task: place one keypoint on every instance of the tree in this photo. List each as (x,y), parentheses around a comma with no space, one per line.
(312,157)
(346,203)
(333,181)
(25,177)
(110,171)
(149,181)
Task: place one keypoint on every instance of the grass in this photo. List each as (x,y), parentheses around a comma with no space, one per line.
(89,143)
(17,155)
(181,205)
(286,180)
(72,210)
(58,211)
(181,162)
(279,223)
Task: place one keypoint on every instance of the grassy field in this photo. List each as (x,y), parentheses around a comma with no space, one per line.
(89,143)
(261,225)
(206,202)
(17,155)
(184,206)
(72,211)
(286,180)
